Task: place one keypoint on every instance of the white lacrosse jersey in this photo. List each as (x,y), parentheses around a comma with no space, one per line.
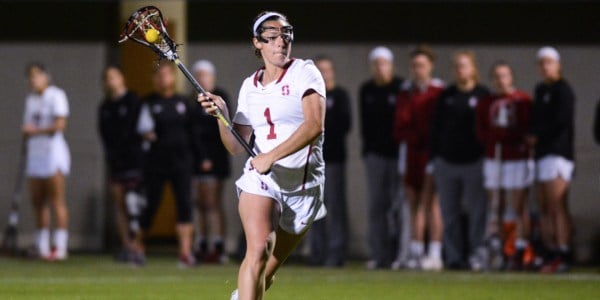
(275,112)
(46,154)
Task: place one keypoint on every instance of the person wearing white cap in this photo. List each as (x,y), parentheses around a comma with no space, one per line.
(551,135)
(377,104)
(211,168)
(281,188)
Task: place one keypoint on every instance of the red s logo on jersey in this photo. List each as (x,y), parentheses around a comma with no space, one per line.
(285,90)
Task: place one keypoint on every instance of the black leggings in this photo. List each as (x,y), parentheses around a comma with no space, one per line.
(181,184)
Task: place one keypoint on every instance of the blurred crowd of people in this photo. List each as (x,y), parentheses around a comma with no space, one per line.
(453,169)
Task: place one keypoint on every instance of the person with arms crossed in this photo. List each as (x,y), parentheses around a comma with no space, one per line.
(414,110)
(164,123)
(329,237)
(502,123)
(380,152)
(457,156)
(211,169)
(281,189)
(552,136)
(48,160)
(117,124)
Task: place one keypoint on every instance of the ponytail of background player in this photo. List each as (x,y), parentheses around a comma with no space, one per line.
(280,191)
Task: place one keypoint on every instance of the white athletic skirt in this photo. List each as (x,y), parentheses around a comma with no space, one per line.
(511,174)
(552,166)
(47,155)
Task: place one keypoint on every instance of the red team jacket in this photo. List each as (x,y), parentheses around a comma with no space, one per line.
(414,109)
(504,119)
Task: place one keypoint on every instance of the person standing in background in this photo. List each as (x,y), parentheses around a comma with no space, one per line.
(380,152)
(117,125)
(502,122)
(164,123)
(552,135)
(48,160)
(211,169)
(457,158)
(329,237)
(414,111)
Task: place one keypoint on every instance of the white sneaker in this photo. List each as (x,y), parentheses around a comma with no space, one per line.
(432,264)
(397,265)
(413,263)
(234,295)
(371,265)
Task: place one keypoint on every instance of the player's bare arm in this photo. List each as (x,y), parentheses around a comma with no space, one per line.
(211,103)
(313,107)
(59,125)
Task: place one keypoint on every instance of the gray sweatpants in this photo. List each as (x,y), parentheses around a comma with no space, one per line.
(382,181)
(329,236)
(461,185)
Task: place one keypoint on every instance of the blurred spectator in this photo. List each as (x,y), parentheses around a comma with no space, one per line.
(552,135)
(414,111)
(380,152)
(164,123)
(117,124)
(329,237)
(457,165)
(502,122)
(211,169)
(48,160)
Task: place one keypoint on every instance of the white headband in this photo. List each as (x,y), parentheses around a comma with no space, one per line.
(549,52)
(204,65)
(381,52)
(263,18)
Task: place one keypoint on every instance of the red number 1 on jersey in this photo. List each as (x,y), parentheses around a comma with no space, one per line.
(272,135)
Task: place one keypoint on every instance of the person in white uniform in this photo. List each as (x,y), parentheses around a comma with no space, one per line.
(48,160)
(280,191)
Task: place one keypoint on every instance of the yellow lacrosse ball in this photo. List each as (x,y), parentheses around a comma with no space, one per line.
(152,35)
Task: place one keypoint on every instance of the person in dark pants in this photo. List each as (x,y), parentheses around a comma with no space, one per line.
(380,152)
(329,237)
(211,169)
(597,123)
(164,123)
(552,136)
(117,124)
(457,158)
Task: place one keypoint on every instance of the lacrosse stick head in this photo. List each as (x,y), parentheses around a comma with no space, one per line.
(147,27)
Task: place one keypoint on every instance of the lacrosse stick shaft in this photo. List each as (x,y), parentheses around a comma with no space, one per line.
(219,113)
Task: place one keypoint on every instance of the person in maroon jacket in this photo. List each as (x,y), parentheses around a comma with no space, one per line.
(502,123)
(414,109)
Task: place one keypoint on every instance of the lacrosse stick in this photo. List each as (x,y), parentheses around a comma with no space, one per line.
(10,239)
(146,27)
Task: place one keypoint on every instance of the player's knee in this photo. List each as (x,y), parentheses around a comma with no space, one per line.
(260,250)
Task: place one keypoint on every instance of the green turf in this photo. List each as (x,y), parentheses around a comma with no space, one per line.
(97,277)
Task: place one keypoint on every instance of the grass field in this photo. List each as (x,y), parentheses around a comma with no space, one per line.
(97,277)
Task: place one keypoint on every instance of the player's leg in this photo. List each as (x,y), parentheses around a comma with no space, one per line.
(200,247)
(286,244)
(154,183)
(37,190)
(557,192)
(337,216)
(56,189)
(433,217)
(117,191)
(212,193)
(477,203)
(181,183)
(417,225)
(518,200)
(257,216)
(378,207)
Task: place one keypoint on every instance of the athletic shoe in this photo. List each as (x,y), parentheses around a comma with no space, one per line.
(413,263)
(397,265)
(234,295)
(371,264)
(137,259)
(432,263)
(496,260)
(186,262)
(478,262)
(557,265)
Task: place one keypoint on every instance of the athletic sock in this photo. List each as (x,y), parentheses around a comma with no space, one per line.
(435,249)
(43,242)
(61,239)
(416,248)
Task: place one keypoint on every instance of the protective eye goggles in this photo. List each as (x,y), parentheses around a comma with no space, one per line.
(268,34)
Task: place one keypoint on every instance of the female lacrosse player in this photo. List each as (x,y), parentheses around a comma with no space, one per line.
(164,125)
(48,159)
(117,123)
(211,168)
(458,163)
(552,134)
(414,110)
(280,191)
(502,122)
